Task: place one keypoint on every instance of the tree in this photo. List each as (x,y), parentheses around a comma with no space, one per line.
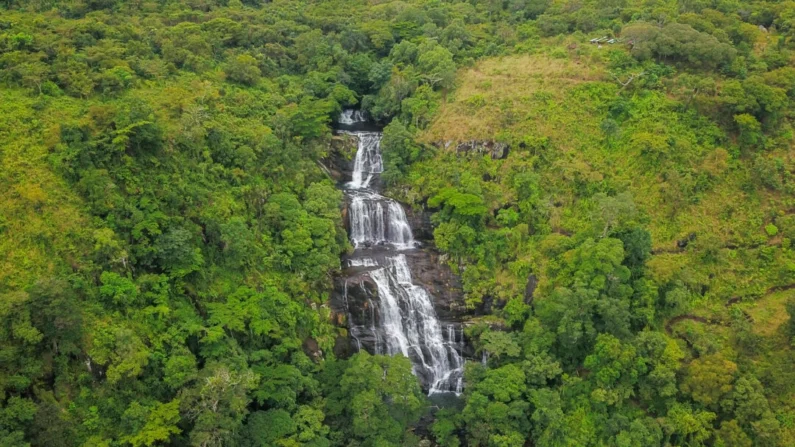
(399,150)
(688,426)
(243,69)
(498,343)
(709,378)
(373,399)
(750,129)
(660,356)
(615,370)
(436,66)
(496,412)
(613,213)
(461,206)
(679,42)
(641,432)
(217,404)
(731,435)
(157,424)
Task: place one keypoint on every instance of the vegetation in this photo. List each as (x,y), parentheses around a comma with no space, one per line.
(168,236)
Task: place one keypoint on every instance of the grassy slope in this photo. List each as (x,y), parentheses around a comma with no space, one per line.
(42,221)
(524,98)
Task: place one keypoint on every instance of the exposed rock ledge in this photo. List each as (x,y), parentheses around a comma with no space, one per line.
(496,150)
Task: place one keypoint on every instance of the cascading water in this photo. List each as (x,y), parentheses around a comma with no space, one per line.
(352,116)
(377,220)
(397,317)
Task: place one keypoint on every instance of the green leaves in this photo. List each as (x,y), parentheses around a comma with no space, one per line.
(615,368)
(119,290)
(374,399)
(436,66)
(159,423)
(458,204)
(217,403)
(399,150)
(498,344)
(496,411)
(709,378)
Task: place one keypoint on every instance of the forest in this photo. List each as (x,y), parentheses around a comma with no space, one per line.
(613,181)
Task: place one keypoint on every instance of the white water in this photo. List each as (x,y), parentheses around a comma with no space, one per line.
(368,159)
(352,116)
(377,220)
(406,322)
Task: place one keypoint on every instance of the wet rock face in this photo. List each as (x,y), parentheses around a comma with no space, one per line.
(395,294)
(420,221)
(354,301)
(353,305)
(429,271)
(342,151)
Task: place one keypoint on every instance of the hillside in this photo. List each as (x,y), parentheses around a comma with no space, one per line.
(175,253)
(589,157)
(558,115)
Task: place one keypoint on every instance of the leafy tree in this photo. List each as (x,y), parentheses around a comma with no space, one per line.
(217,404)
(615,369)
(154,425)
(373,399)
(709,378)
(731,435)
(243,69)
(685,425)
(498,343)
(436,66)
(399,150)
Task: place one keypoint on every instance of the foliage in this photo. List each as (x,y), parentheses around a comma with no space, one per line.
(168,236)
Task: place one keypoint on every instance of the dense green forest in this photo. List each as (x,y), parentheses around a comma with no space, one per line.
(169,236)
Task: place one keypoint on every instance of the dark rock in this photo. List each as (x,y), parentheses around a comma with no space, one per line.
(312,350)
(681,244)
(346,222)
(356,296)
(530,288)
(354,300)
(342,154)
(496,150)
(485,307)
(343,347)
(353,296)
(420,221)
(429,270)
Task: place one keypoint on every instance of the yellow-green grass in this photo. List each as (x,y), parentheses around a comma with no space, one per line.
(769,313)
(529,97)
(41,219)
(529,86)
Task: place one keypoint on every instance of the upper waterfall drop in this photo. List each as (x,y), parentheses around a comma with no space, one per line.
(368,159)
(396,316)
(352,116)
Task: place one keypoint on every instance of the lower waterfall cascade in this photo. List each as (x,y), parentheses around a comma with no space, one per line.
(397,316)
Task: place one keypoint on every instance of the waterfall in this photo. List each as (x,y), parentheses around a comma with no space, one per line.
(368,159)
(378,220)
(352,116)
(398,317)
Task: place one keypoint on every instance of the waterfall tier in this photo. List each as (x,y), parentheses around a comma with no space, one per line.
(377,220)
